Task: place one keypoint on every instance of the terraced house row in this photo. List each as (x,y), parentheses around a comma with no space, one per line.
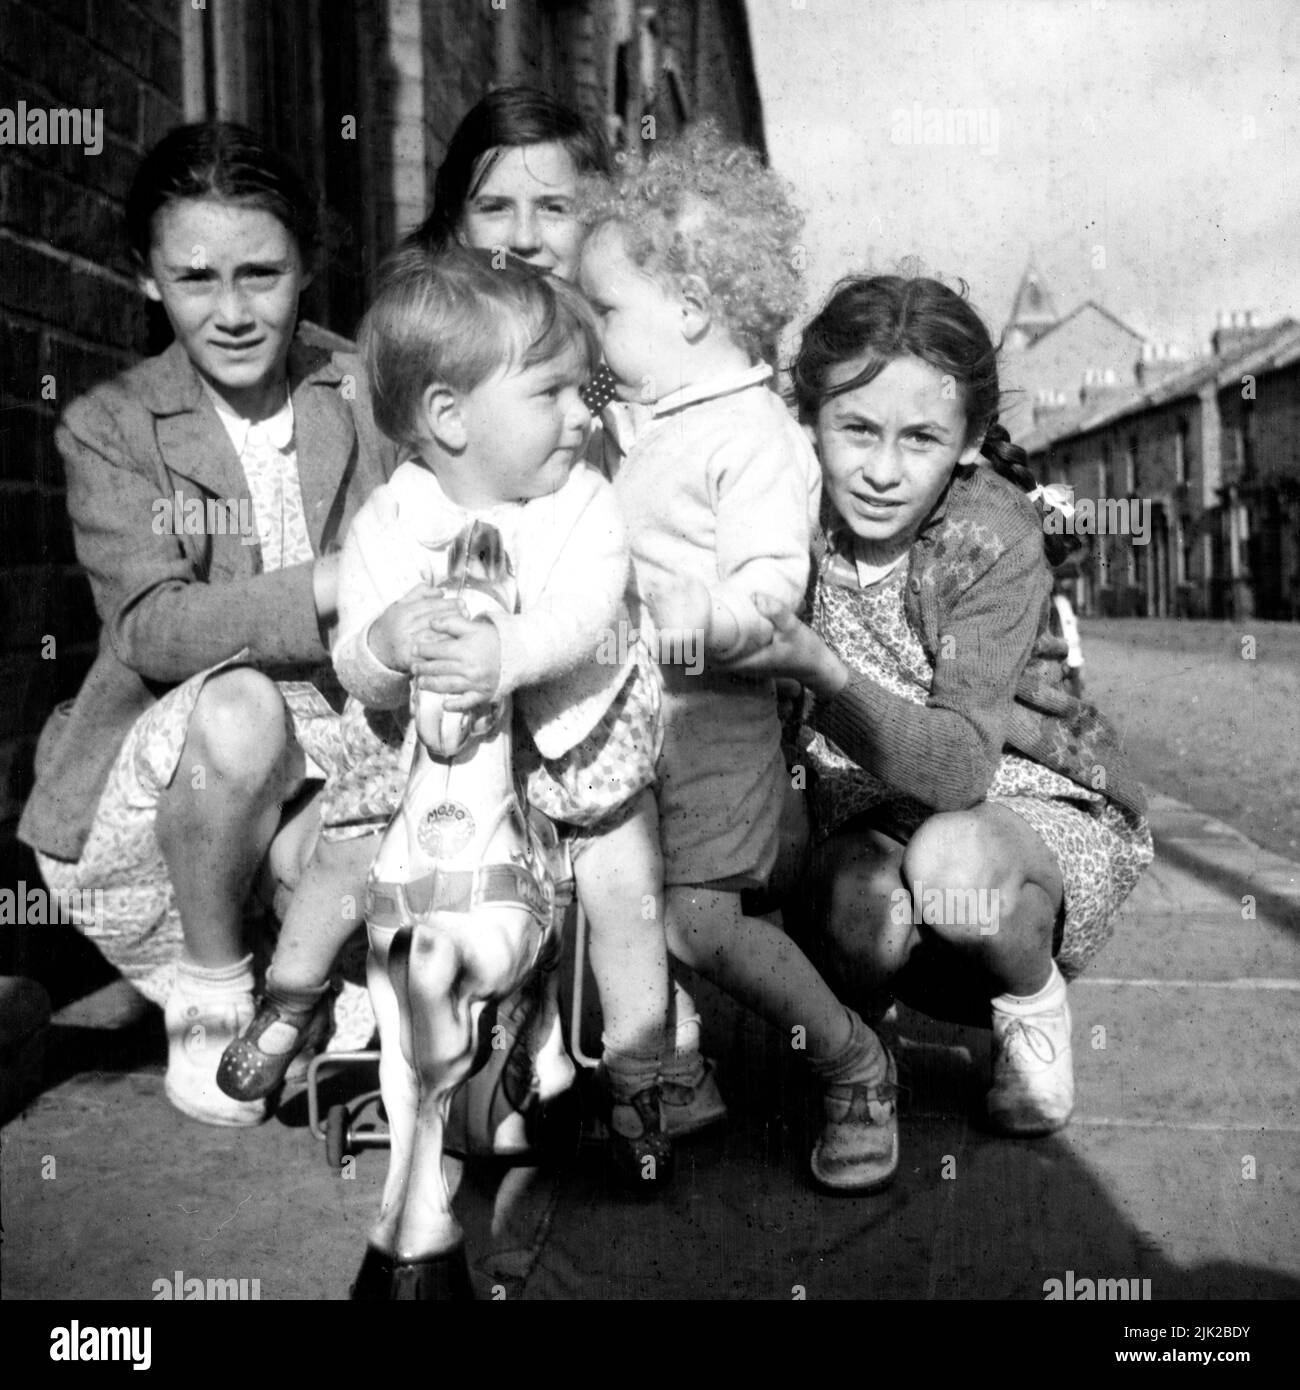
(1207,451)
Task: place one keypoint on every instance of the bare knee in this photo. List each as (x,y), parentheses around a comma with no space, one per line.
(863,884)
(240,728)
(699,923)
(958,876)
(947,846)
(681,927)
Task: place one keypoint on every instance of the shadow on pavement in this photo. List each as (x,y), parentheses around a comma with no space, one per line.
(1277,908)
(143,1192)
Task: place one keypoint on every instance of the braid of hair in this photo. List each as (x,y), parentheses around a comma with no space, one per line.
(1012,462)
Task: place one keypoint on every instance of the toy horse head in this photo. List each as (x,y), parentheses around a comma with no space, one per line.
(478,563)
(478,572)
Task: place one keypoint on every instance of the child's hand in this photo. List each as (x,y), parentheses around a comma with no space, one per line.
(792,650)
(463,661)
(395,636)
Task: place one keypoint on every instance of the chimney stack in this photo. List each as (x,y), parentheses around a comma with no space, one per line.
(1233,331)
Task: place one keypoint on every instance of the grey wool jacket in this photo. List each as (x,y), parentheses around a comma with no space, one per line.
(172,605)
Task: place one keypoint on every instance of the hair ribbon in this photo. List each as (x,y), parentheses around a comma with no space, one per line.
(1058,496)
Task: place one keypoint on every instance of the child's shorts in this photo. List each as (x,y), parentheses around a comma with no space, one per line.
(722,783)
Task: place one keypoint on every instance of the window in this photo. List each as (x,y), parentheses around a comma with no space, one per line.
(294,72)
(647,95)
(1181,475)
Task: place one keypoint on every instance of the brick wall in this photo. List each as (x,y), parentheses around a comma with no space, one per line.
(460,45)
(721,68)
(69,316)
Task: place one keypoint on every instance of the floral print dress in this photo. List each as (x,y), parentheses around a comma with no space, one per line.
(1101,847)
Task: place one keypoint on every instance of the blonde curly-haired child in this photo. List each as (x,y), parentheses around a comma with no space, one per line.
(692,266)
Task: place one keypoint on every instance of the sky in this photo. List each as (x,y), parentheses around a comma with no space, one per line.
(1146,153)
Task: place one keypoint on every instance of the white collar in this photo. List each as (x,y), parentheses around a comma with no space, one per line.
(869,574)
(441,520)
(844,551)
(712,388)
(276,430)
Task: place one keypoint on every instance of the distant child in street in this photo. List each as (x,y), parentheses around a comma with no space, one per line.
(691,266)
(475,370)
(1066,626)
(979,827)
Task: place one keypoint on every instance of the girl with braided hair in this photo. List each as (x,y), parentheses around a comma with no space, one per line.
(976,827)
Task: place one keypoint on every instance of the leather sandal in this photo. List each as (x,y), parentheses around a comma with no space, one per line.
(643,1161)
(246,1072)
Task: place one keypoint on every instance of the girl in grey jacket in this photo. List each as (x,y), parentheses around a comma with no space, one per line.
(209,489)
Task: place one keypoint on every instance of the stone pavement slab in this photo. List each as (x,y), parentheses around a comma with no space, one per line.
(1207,944)
(1181,1055)
(1180,1165)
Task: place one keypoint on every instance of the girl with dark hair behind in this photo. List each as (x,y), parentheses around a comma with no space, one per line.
(510,179)
(977,826)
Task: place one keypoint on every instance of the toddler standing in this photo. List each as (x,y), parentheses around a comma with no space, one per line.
(691,267)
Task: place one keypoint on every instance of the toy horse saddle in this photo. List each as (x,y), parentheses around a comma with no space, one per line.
(458,890)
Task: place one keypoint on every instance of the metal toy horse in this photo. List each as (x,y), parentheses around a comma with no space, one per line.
(461,908)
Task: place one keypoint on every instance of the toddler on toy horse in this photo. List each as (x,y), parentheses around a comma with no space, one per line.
(476,371)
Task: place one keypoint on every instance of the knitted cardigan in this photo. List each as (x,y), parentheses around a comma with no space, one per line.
(978,594)
(569,553)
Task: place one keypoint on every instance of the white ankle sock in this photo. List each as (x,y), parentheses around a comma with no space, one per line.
(205,1012)
(215,979)
(295,996)
(1051,995)
(684,1021)
(206,1005)
(682,1063)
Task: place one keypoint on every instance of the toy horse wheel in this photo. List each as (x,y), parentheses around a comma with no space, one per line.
(338,1135)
